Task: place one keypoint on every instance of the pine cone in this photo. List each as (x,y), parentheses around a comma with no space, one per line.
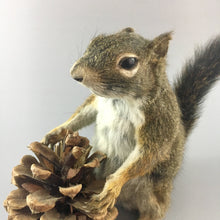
(49,187)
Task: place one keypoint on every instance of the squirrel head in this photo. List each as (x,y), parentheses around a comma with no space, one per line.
(123,64)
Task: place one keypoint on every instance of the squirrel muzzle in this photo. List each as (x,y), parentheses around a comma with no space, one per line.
(77,73)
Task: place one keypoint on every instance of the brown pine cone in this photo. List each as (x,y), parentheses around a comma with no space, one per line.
(49,187)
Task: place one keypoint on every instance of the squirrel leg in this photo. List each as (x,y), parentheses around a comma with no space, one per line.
(150,198)
(158,202)
(84,115)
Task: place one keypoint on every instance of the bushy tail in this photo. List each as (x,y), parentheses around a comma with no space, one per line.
(195,81)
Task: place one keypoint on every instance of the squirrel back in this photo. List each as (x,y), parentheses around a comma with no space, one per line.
(197,78)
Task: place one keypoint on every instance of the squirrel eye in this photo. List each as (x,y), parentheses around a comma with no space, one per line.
(128,63)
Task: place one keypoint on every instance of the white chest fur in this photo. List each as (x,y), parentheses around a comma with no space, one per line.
(115,127)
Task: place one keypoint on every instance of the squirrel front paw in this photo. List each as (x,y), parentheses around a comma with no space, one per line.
(99,205)
(54,136)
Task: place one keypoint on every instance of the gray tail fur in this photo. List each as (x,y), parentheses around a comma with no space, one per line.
(196,79)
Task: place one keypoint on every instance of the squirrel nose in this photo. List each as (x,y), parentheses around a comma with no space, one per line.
(77,72)
(78,78)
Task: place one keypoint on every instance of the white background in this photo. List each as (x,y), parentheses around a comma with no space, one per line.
(41,39)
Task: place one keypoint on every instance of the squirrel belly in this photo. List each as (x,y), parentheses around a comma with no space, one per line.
(115,131)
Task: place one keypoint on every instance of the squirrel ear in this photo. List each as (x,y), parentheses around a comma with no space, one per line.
(128,30)
(160,44)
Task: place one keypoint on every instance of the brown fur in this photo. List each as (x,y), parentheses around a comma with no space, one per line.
(143,180)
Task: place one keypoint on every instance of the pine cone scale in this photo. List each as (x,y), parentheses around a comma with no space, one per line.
(16,199)
(46,156)
(41,201)
(71,191)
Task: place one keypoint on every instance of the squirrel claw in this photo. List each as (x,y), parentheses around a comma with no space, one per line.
(98,206)
(54,136)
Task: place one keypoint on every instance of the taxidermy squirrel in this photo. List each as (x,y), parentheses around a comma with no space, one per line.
(141,121)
